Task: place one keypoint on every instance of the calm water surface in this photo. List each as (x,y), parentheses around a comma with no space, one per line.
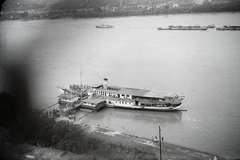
(202,65)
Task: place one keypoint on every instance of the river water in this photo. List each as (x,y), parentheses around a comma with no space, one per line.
(204,66)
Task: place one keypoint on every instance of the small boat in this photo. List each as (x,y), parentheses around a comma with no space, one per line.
(71,98)
(104,26)
(72,94)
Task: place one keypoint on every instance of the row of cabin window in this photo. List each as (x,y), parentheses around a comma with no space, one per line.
(122,102)
(104,93)
(110,94)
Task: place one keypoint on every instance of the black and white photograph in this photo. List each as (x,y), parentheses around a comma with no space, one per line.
(120,80)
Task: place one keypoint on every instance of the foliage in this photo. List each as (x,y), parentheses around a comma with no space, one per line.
(108,8)
(40,130)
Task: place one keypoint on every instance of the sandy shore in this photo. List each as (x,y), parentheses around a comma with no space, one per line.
(169,151)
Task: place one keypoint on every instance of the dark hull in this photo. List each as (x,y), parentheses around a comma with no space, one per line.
(228,29)
(171,29)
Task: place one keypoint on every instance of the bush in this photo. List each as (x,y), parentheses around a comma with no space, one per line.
(40,130)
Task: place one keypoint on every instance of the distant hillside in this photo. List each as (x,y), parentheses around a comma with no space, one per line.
(15,5)
(54,9)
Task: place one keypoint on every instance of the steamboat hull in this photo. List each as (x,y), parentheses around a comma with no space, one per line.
(227,29)
(153,108)
(102,95)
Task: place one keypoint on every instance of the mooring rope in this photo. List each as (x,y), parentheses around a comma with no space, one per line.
(49,106)
(86,115)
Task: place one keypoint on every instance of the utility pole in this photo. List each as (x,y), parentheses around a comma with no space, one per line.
(160,141)
(81,76)
(81,82)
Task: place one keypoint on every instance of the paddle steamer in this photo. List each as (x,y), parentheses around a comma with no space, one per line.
(135,98)
(122,97)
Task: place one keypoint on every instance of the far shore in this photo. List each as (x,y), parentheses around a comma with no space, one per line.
(53,15)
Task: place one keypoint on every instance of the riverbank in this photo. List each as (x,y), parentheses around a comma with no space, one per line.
(169,151)
(35,135)
(16,151)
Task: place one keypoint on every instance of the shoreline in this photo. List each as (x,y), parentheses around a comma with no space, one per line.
(14,17)
(169,150)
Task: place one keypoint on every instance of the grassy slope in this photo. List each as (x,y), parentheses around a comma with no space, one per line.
(169,151)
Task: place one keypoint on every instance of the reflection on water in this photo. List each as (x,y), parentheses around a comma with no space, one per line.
(146,116)
(141,123)
(132,115)
(128,120)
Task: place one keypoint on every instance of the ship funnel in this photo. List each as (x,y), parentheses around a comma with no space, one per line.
(105,83)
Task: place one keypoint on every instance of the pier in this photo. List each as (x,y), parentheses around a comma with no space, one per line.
(94,104)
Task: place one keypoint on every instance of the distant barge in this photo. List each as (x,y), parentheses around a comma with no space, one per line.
(194,27)
(104,26)
(111,96)
(228,27)
(183,28)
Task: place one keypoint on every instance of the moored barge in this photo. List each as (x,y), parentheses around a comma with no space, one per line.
(228,27)
(190,27)
(182,28)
